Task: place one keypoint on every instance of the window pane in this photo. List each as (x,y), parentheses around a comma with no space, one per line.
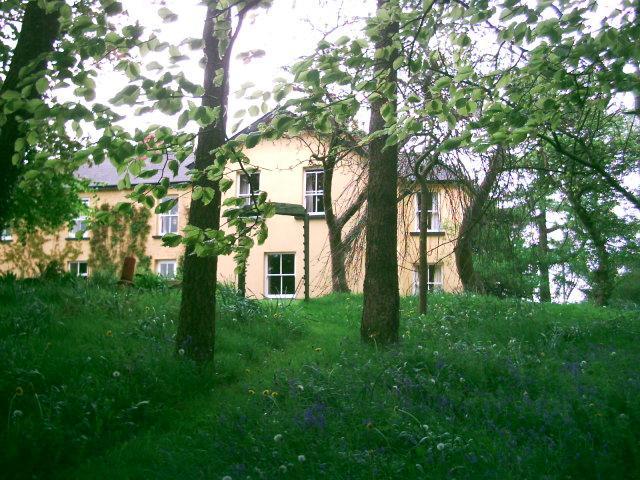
(273,264)
(432,269)
(310,182)
(274,285)
(174,224)
(309,203)
(429,201)
(82,268)
(319,204)
(255,182)
(320,181)
(244,185)
(288,285)
(288,264)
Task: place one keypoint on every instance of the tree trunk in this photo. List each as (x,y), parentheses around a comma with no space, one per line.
(381,302)
(336,246)
(543,256)
(37,35)
(423,266)
(470,219)
(242,281)
(603,275)
(196,326)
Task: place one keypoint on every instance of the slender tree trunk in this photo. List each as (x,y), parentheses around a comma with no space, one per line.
(37,35)
(196,327)
(423,266)
(543,256)
(470,219)
(334,226)
(604,274)
(381,302)
(242,281)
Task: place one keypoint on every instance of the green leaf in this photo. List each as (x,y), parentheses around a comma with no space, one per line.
(442,82)
(171,239)
(167,15)
(183,119)
(252,140)
(41,85)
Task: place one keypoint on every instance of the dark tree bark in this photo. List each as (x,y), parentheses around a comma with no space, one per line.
(423,265)
(604,273)
(196,326)
(381,302)
(470,221)
(38,33)
(543,256)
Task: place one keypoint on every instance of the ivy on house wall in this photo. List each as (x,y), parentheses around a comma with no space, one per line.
(122,236)
(28,256)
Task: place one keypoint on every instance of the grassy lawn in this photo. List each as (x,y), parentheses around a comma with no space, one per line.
(480,388)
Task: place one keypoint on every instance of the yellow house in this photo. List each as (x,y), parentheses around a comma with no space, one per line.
(285,170)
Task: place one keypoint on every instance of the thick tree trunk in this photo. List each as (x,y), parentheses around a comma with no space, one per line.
(334,226)
(543,256)
(604,274)
(381,302)
(196,327)
(470,219)
(37,35)
(423,266)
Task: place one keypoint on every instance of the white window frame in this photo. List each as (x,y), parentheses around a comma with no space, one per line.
(168,214)
(247,196)
(5,235)
(267,275)
(78,221)
(434,212)
(318,192)
(435,285)
(161,263)
(77,263)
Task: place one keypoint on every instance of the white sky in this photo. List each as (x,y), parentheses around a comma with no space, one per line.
(283,32)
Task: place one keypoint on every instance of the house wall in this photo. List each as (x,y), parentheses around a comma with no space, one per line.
(282,165)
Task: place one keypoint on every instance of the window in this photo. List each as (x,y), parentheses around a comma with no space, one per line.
(434,279)
(80,223)
(248,186)
(433,213)
(281,278)
(168,221)
(79,269)
(166,268)
(314,191)
(5,235)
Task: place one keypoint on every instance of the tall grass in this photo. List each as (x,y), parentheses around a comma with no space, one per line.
(479,388)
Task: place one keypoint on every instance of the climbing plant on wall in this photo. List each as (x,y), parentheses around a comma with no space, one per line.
(31,254)
(118,237)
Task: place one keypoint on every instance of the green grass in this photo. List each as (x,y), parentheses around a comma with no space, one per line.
(480,388)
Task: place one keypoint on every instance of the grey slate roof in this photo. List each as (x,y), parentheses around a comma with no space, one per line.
(106,175)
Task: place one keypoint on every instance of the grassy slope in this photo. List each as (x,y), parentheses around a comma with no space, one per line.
(481,388)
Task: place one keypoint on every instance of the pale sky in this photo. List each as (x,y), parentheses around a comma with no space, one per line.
(282,31)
